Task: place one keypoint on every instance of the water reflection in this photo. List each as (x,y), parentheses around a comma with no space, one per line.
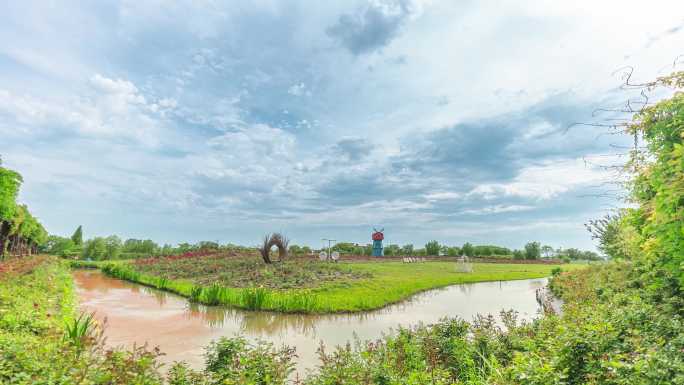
(139,314)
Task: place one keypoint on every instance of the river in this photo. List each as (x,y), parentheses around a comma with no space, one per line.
(138,314)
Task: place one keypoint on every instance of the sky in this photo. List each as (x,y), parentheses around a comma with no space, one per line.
(224,121)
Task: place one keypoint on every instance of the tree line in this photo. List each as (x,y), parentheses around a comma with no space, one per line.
(20,232)
(532,250)
(113,247)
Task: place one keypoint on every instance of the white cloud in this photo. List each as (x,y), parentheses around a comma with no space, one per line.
(546,181)
(113,109)
(298,89)
(497,209)
(443,195)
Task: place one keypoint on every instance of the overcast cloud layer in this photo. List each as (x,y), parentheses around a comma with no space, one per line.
(209,120)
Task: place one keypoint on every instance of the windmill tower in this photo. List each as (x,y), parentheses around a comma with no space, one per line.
(378,236)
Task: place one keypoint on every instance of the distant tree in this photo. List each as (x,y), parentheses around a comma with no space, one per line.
(140,247)
(482,251)
(208,245)
(547,251)
(518,254)
(432,248)
(607,231)
(77,238)
(184,247)
(113,247)
(167,249)
(306,250)
(295,250)
(468,249)
(453,251)
(407,249)
(60,246)
(532,250)
(347,248)
(392,250)
(95,249)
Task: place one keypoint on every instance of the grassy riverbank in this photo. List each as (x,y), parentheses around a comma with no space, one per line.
(616,328)
(329,288)
(42,340)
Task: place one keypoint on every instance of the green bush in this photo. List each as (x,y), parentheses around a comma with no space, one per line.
(236,361)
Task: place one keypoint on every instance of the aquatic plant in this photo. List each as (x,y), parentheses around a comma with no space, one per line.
(196,293)
(212,295)
(254,298)
(78,330)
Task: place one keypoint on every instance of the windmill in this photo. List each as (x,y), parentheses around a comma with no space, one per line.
(377,237)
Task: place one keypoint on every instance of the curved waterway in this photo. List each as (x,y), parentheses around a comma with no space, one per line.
(138,314)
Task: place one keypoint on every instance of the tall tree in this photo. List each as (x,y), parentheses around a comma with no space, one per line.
(77,238)
(432,248)
(532,250)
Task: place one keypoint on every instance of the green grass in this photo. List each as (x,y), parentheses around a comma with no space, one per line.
(383,283)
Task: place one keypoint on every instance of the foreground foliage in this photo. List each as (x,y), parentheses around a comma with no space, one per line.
(609,333)
(43,341)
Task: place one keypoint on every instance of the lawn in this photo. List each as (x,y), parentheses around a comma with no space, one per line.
(308,286)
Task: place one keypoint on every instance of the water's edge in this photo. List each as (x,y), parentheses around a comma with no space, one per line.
(140,314)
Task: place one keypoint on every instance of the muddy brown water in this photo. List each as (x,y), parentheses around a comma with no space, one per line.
(137,314)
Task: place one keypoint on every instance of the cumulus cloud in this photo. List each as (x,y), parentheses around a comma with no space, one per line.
(353,149)
(373,26)
(224,122)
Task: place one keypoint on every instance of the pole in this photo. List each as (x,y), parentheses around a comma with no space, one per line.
(329,242)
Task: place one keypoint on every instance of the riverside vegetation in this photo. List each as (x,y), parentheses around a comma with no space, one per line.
(622,322)
(304,285)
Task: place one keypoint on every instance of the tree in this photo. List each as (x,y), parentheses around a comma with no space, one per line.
(10,181)
(432,248)
(113,247)
(532,250)
(547,251)
(77,238)
(518,254)
(467,249)
(60,246)
(391,250)
(453,251)
(407,249)
(608,231)
(95,249)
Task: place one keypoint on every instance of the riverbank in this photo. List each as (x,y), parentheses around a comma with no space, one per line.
(42,339)
(366,285)
(182,330)
(616,328)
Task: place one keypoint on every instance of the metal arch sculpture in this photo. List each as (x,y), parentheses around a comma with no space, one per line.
(275,239)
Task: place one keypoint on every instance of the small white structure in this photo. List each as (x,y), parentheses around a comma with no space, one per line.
(463,265)
(323,256)
(335,256)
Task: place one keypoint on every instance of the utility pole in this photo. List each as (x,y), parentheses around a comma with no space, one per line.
(330,241)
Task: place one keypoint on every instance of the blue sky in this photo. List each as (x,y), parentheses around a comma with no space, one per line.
(209,120)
